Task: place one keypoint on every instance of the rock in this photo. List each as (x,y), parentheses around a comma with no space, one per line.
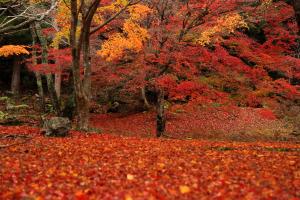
(56,127)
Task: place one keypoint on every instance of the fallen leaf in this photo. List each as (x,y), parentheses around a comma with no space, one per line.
(184,189)
(130,177)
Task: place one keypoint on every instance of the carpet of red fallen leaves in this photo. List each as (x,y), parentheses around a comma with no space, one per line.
(194,122)
(102,166)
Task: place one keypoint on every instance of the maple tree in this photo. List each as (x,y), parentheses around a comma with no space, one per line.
(80,42)
(15,51)
(196,56)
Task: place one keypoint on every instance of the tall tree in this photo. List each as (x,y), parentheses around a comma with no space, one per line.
(82,14)
(15,52)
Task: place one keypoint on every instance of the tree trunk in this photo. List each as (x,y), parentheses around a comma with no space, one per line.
(38,76)
(16,77)
(58,83)
(296,6)
(39,83)
(81,42)
(57,80)
(147,105)
(52,93)
(84,87)
(160,118)
(49,77)
(76,45)
(87,64)
(81,98)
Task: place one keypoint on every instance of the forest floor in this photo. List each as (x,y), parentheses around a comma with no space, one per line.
(204,156)
(105,166)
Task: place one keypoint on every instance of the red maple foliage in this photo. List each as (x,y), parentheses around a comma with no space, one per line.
(254,67)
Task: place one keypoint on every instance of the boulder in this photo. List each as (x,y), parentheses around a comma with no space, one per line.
(56,127)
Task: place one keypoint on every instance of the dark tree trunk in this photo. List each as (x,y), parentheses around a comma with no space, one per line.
(296,6)
(16,78)
(81,43)
(82,103)
(146,103)
(57,83)
(54,99)
(160,118)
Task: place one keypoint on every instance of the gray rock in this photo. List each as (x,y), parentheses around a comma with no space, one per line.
(56,127)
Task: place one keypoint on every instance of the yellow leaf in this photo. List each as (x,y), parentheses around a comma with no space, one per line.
(161,165)
(184,189)
(130,177)
(128,197)
(122,2)
(225,25)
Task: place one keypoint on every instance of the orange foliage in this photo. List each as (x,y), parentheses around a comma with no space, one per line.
(10,50)
(225,25)
(132,38)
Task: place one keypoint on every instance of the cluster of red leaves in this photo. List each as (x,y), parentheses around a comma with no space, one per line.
(107,167)
(59,61)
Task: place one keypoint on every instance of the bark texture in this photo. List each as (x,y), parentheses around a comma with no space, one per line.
(16,79)
(49,77)
(296,6)
(38,76)
(160,118)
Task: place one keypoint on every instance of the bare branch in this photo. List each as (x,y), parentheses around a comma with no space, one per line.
(27,16)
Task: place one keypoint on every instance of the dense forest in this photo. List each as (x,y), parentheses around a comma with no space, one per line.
(97,96)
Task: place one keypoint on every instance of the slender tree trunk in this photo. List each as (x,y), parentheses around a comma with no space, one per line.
(57,80)
(16,77)
(38,76)
(49,77)
(147,105)
(160,118)
(52,93)
(58,83)
(39,83)
(87,63)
